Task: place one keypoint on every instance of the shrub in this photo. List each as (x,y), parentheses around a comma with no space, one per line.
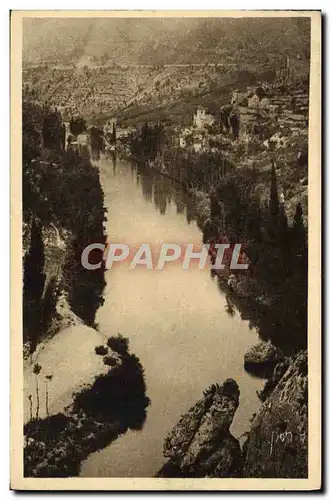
(119,344)
(77,126)
(101,350)
(110,361)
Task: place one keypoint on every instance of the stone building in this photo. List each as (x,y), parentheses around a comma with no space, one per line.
(201,118)
(108,126)
(253,101)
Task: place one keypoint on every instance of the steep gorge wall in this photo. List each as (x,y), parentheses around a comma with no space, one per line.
(62,213)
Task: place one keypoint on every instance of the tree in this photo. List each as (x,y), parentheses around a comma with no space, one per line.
(52,131)
(34,279)
(97,141)
(260,92)
(63,136)
(235,123)
(299,231)
(114,134)
(48,378)
(77,125)
(254,219)
(273,205)
(36,371)
(283,225)
(284,240)
(119,344)
(30,405)
(274,200)
(225,112)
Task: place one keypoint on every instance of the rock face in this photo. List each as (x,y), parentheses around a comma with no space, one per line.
(277,444)
(263,353)
(200,444)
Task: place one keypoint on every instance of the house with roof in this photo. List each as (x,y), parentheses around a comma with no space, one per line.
(201,118)
(253,100)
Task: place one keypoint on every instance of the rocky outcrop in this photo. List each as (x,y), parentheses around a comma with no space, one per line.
(277,444)
(201,444)
(263,353)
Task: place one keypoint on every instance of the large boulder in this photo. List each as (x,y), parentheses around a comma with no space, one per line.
(201,444)
(263,353)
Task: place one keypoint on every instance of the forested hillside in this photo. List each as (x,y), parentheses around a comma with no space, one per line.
(62,213)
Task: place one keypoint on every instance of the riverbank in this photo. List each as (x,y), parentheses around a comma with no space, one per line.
(62,213)
(110,399)
(62,371)
(276,282)
(241,284)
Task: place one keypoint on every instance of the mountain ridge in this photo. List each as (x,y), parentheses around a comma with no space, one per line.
(164,40)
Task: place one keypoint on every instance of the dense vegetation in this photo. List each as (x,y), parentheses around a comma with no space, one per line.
(77,125)
(199,170)
(112,404)
(276,247)
(61,191)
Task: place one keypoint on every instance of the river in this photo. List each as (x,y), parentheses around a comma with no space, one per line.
(178,322)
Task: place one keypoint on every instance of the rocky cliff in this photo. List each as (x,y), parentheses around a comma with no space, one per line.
(201,444)
(62,213)
(277,443)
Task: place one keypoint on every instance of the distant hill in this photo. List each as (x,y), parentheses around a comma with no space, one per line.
(164,40)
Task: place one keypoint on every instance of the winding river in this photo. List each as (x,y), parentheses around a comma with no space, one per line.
(179,323)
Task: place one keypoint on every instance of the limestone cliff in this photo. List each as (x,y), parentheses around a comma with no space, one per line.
(277,444)
(201,444)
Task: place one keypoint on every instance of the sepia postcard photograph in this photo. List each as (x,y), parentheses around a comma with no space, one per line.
(166,250)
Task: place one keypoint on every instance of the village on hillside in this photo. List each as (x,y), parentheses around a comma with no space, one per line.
(250,125)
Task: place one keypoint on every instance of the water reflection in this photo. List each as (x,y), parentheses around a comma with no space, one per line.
(230,308)
(269,325)
(147,185)
(176,321)
(95,153)
(179,201)
(163,191)
(114,160)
